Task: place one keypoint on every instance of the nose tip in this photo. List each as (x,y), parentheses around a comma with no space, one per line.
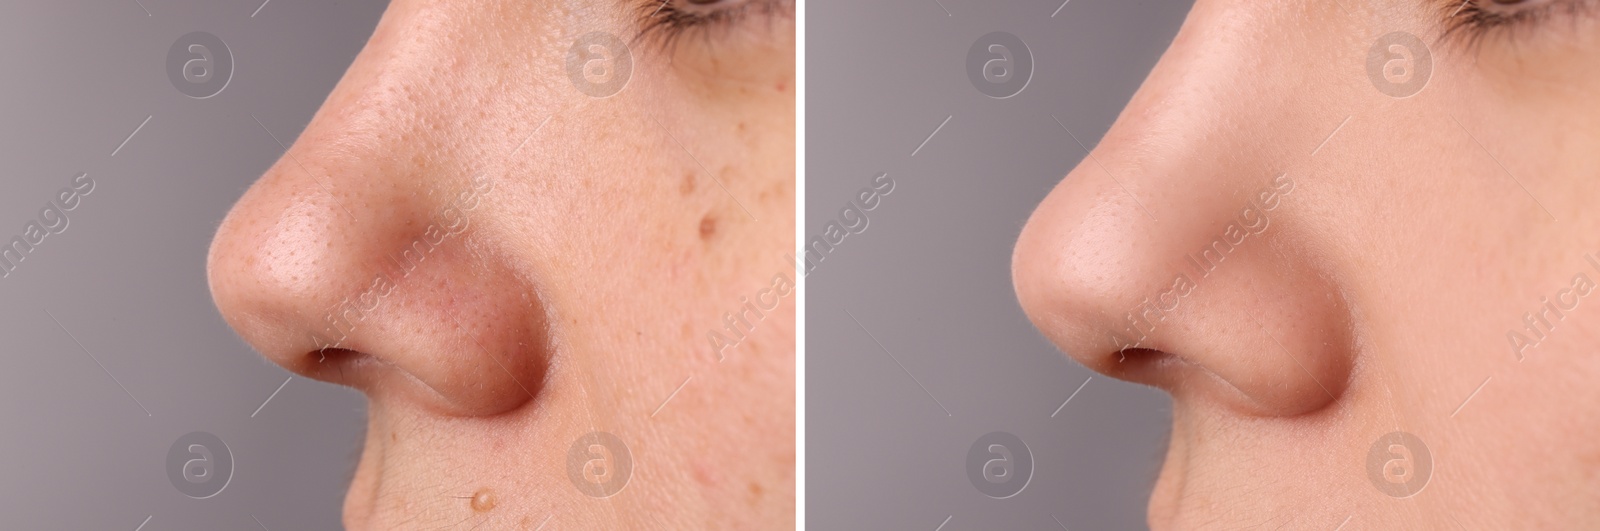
(1205,294)
(1078,260)
(379,284)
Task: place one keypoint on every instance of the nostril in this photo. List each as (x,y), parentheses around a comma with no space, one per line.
(1148,366)
(336,355)
(339,366)
(1139,355)
(1177,374)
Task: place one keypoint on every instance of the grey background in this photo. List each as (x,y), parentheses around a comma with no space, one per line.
(127,277)
(930,276)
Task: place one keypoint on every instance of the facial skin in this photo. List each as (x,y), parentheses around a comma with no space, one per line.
(571,288)
(1380,295)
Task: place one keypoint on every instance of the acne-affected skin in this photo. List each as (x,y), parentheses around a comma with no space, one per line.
(1423,235)
(503,264)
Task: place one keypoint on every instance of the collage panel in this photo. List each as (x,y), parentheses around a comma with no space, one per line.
(297,264)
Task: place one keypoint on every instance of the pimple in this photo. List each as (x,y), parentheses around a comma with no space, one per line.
(483,501)
(704,475)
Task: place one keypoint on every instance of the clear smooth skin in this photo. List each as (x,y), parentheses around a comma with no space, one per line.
(506,301)
(1387,288)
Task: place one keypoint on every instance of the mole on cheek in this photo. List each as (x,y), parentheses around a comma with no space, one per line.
(755,493)
(688,184)
(483,501)
(708,227)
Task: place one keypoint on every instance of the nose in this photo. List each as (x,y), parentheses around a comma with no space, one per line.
(361,260)
(1177,255)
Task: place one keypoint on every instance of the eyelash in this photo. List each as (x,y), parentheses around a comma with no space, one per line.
(665,23)
(1472,23)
